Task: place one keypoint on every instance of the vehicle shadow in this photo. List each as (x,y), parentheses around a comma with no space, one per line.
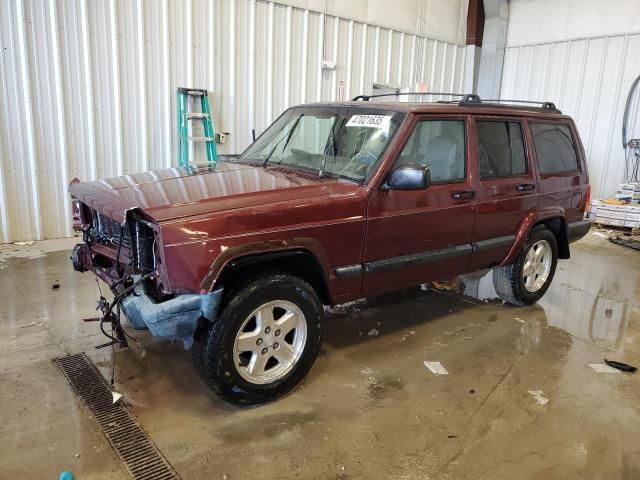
(350,324)
(154,364)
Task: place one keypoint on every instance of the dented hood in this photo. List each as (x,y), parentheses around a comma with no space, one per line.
(179,192)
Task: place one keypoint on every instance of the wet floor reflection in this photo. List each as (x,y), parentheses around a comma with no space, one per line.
(594,297)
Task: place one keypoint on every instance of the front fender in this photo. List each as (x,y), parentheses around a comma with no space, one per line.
(231,254)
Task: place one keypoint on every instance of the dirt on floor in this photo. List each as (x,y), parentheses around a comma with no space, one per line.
(519,401)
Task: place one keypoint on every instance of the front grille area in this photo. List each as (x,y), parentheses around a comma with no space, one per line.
(138,237)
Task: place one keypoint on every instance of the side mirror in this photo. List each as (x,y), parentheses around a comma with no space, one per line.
(408,177)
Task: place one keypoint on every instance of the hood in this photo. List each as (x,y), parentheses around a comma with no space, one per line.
(180,192)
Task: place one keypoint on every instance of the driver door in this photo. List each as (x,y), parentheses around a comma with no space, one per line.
(415,236)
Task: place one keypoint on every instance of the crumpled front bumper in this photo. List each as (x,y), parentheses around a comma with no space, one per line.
(174,319)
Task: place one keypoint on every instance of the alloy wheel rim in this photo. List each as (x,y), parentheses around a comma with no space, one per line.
(270,342)
(537,266)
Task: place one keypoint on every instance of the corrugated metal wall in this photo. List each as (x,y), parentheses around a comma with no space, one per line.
(87,87)
(588,79)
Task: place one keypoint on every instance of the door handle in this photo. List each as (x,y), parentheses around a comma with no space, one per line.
(468,195)
(525,187)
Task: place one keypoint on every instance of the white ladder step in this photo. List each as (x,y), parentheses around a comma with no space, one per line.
(197,115)
(200,163)
(201,139)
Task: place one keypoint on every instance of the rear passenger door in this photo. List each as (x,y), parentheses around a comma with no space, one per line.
(561,182)
(507,188)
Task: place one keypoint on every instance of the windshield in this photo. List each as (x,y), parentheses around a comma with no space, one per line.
(343,142)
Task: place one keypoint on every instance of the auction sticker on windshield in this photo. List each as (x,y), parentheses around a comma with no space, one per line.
(372,121)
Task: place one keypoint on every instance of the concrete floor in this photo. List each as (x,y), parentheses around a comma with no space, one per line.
(370,408)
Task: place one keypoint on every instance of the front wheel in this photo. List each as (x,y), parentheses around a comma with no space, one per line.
(264,342)
(526,280)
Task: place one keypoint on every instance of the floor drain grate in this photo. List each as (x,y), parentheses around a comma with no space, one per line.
(140,456)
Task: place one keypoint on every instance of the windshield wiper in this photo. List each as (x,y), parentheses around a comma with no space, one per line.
(334,148)
(288,137)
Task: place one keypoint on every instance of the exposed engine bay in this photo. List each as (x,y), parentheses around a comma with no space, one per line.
(126,257)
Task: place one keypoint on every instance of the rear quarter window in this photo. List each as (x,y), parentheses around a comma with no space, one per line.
(555,150)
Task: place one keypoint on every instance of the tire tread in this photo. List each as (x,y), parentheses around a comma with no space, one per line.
(206,358)
(506,278)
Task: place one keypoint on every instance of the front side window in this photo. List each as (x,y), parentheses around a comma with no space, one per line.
(439,145)
(554,148)
(500,149)
(334,141)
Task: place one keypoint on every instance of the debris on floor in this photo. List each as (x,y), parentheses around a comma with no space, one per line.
(444,285)
(66,475)
(404,337)
(624,367)
(436,368)
(539,396)
(33,324)
(635,244)
(603,368)
(373,332)
(116,396)
(55,285)
(519,319)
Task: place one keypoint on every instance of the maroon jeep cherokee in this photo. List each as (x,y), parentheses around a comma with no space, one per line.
(333,202)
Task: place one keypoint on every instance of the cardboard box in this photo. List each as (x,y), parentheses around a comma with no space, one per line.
(626,215)
(634,186)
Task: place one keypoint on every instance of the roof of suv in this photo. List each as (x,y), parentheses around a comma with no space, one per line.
(454,107)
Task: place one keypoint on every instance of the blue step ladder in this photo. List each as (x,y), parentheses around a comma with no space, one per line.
(185,116)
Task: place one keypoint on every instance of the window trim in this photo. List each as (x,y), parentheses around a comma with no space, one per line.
(568,124)
(440,118)
(527,173)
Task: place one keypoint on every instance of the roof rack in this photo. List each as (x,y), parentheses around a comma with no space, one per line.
(467,99)
(543,105)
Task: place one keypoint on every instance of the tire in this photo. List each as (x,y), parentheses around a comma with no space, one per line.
(510,281)
(252,377)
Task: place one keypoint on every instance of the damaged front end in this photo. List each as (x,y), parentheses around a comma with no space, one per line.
(127,257)
(174,319)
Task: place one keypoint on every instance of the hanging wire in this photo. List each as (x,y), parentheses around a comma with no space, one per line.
(631,145)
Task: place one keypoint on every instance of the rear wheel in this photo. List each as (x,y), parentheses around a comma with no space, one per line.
(264,342)
(526,280)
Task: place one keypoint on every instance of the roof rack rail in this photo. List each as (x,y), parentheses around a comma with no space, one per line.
(544,105)
(466,97)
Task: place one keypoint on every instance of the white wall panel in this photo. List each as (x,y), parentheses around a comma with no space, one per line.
(545,21)
(87,87)
(588,79)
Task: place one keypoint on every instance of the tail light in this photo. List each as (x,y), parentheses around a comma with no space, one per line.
(587,200)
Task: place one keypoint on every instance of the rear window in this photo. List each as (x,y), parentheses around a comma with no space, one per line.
(500,149)
(554,146)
